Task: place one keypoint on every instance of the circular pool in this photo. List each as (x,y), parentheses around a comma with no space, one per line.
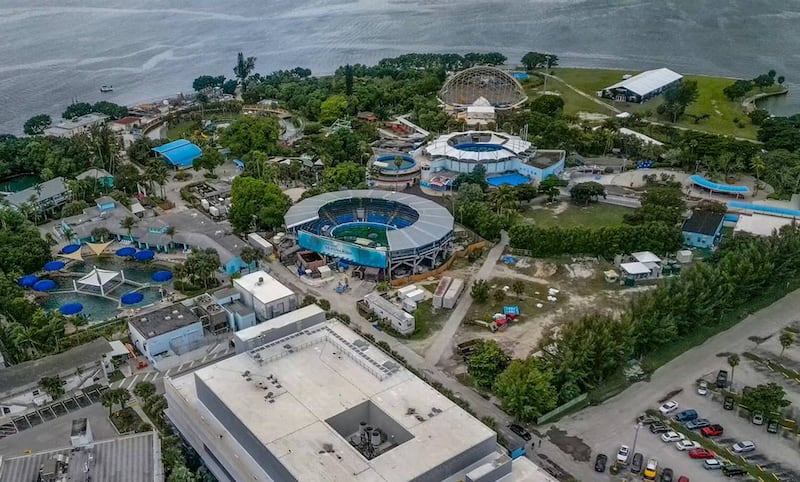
(474,147)
(408,162)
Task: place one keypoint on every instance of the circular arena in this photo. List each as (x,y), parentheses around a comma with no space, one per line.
(498,87)
(392,170)
(398,233)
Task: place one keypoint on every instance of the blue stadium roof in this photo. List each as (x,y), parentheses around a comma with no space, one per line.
(179,153)
(713,186)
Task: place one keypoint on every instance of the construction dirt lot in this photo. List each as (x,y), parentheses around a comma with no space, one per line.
(580,286)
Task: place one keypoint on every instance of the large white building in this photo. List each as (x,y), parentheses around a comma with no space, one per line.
(265,295)
(323,404)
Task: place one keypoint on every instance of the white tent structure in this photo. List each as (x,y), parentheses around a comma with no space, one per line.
(101,280)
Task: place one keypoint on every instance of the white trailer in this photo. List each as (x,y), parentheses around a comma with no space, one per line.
(258,242)
(416,296)
(405,290)
(450,298)
(441,289)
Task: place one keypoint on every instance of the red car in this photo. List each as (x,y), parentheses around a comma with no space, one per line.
(701,454)
(712,430)
(683,479)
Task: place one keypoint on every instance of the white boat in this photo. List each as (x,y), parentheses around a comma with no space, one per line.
(107,88)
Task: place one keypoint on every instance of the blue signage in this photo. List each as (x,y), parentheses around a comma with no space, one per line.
(339,249)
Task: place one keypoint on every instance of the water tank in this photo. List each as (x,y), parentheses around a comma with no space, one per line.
(375,438)
(362,428)
(205,204)
(214,211)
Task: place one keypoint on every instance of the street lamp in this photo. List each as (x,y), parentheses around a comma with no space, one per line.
(635,438)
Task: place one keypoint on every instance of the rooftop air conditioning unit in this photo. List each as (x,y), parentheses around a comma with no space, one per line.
(260,281)
(167,317)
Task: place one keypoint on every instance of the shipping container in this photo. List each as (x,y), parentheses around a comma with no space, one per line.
(441,289)
(416,295)
(258,242)
(452,294)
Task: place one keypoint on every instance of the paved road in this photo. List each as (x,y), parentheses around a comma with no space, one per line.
(444,338)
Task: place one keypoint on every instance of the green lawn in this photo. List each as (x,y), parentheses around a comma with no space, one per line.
(595,215)
(711,101)
(184,129)
(573,101)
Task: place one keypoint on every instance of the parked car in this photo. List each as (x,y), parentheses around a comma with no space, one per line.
(743,447)
(672,437)
(686,445)
(668,407)
(733,471)
(600,463)
(701,453)
(712,430)
(645,419)
(636,464)
(517,429)
(702,388)
(666,475)
(659,428)
(697,423)
(651,469)
(728,403)
(712,464)
(686,416)
(722,379)
(683,478)
(758,418)
(772,426)
(623,453)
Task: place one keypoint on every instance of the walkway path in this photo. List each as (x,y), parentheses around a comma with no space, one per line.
(445,337)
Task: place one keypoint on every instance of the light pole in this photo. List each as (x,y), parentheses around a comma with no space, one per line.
(635,438)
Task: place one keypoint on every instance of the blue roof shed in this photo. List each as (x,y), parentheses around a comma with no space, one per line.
(180,153)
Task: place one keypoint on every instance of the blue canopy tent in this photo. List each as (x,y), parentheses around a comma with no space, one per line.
(132,298)
(44,285)
(144,255)
(54,265)
(70,248)
(28,280)
(180,154)
(71,308)
(161,276)
(126,251)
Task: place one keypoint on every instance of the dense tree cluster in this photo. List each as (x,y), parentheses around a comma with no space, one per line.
(251,134)
(114,111)
(677,99)
(538,60)
(256,204)
(781,133)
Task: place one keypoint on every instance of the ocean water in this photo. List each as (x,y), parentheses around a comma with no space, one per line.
(55,51)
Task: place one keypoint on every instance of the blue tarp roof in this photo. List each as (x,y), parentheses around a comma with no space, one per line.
(179,153)
(794,213)
(713,186)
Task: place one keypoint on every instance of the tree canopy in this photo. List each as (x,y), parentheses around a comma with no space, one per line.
(525,389)
(251,134)
(678,98)
(586,192)
(257,204)
(765,399)
(538,60)
(37,124)
(486,362)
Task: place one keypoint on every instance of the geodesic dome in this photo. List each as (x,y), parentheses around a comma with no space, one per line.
(500,88)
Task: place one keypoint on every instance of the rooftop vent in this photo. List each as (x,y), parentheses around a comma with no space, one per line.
(167,317)
(246,373)
(174,312)
(260,280)
(180,317)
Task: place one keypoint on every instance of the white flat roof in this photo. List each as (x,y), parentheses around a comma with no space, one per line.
(635,268)
(648,81)
(646,139)
(279,321)
(512,146)
(759,224)
(265,291)
(322,377)
(646,257)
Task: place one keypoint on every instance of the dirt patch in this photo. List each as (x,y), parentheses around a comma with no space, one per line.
(568,444)
(580,270)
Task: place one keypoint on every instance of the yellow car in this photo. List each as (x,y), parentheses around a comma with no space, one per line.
(651,469)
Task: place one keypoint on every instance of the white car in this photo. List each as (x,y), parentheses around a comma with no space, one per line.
(623,453)
(702,388)
(712,464)
(743,447)
(672,437)
(668,407)
(684,445)
(758,419)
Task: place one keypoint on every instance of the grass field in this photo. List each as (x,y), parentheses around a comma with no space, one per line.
(711,101)
(595,215)
(350,233)
(573,101)
(183,129)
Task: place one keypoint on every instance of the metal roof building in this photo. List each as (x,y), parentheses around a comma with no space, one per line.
(643,86)
(180,154)
(325,404)
(417,228)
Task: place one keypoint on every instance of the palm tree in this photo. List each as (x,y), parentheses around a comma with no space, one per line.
(733,361)
(506,199)
(250,255)
(24,335)
(243,68)
(170,231)
(758,169)
(157,172)
(398,161)
(787,340)
(128,224)
(108,399)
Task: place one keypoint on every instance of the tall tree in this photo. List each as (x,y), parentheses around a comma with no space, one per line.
(256,204)
(486,363)
(525,389)
(585,192)
(787,340)
(766,399)
(243,68)
(678,98)
(128,223)
(37,124)
(733,362)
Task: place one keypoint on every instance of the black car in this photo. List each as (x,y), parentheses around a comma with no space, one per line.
(733,471)
(722,379)
(520,431)
(600,463)
(645,419)
(636,465)
(658,428)
(666,475)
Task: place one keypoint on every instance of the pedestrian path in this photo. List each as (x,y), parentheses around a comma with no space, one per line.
(152,376)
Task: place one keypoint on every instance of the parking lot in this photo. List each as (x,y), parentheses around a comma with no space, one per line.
(601,429)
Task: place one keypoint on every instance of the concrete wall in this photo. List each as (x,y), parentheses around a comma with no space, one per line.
(496,168)
(156,345)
